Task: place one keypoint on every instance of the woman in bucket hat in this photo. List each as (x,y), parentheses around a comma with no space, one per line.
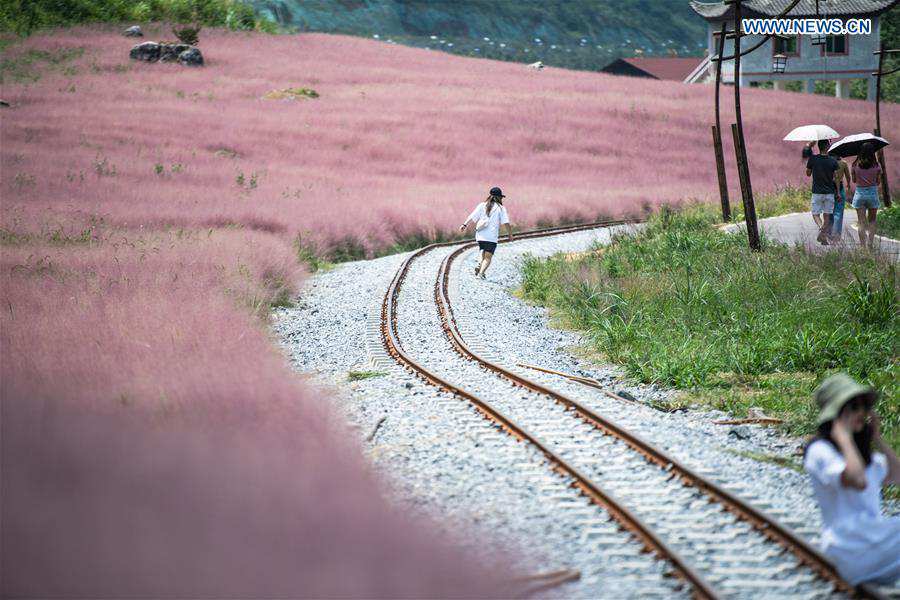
(488,217)
(849,462)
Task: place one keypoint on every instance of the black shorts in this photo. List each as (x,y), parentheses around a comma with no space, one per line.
(487,246)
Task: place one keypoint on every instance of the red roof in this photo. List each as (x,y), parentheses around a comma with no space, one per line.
(672,68)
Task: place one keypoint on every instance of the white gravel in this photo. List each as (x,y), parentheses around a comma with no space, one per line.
(442,460)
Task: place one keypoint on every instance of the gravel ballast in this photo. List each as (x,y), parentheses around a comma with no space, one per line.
(443,460)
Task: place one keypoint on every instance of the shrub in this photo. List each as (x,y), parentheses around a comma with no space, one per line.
(27,16)
(189,34)
(889,220)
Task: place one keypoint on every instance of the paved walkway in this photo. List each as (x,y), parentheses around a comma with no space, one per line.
(799,228)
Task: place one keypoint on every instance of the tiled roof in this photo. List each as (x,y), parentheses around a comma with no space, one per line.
(671,68)
(806,8)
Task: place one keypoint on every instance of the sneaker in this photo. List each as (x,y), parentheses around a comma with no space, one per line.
(478,268)
(482,276)
(822,238)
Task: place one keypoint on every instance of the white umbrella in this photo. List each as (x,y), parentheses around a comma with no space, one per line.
(811,133)
(850,145)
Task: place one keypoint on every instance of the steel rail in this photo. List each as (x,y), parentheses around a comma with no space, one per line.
(765,524)
(627,519)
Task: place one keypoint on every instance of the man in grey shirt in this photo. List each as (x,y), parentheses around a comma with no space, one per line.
(824,172)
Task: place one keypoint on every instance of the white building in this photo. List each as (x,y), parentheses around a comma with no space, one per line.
(841,59)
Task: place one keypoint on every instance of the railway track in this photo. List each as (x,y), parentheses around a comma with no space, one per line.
(714,544)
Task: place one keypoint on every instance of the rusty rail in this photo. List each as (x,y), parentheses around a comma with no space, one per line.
(628,520)
(763,523)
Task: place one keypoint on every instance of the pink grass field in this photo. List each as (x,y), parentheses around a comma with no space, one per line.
(154,443)
(401,141)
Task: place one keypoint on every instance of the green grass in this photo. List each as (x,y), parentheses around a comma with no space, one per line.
(27,66)
(24,17)
(685,305)
(774,459)
(889,221)
(291,94)
(361,375)
(783,201)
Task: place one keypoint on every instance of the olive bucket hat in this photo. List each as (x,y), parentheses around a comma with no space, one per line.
(835,392)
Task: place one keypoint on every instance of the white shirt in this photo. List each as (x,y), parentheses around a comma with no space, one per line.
(864,544)
(498,217)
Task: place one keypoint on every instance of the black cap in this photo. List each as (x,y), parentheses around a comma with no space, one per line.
(495,191)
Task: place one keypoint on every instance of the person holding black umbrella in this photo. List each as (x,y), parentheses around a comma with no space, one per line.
(867,176)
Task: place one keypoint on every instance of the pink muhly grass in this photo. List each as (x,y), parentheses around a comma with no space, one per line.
(401,140)
(102,506)
(154,444)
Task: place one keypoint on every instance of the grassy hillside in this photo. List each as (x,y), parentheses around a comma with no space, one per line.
(398,145)
(576,34)
(583,34)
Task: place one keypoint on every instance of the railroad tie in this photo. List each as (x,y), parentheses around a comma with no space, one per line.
(604,537)
(757,557)
(763,581)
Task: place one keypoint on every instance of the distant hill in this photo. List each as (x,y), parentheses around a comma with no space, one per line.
(582,34)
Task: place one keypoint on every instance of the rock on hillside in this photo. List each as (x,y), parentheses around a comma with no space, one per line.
(163,52)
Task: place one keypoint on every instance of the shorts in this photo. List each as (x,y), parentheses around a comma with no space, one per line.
(866,197)
(822,204)
(487,246)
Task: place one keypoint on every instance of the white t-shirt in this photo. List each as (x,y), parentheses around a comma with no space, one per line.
(864,544)
(498,217)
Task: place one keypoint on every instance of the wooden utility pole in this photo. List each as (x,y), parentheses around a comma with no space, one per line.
(737,129)
(739,147)
(717,133)
(881,52)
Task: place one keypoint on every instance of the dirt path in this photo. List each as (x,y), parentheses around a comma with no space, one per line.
(799,228)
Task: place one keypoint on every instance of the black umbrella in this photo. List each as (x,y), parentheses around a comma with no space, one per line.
(850,145)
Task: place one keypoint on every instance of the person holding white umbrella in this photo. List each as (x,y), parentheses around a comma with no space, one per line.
(825,172)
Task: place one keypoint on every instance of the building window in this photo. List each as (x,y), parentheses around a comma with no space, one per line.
(836,44)
(788,47)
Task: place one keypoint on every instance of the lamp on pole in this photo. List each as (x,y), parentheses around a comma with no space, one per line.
(881,52)
(779,63)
